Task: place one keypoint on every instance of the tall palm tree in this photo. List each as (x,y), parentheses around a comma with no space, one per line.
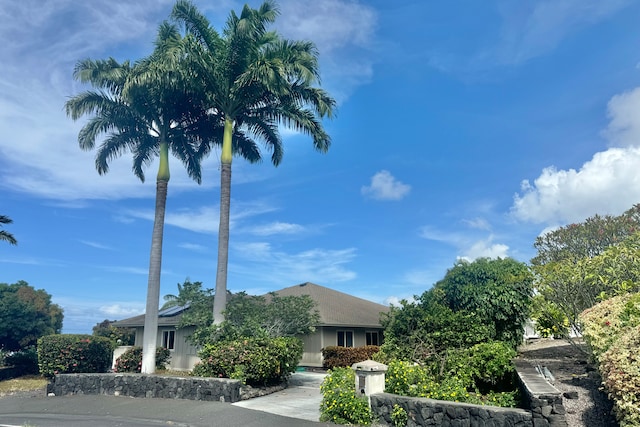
(5,235)
(256,81)
(148,119)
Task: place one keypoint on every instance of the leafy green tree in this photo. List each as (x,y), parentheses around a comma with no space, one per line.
(26,314)
(255,81)
(498,291)
(574,286)
(150,119)
(476,302)
(118,336)
(5,235)
(572,271)
(586,239)
(426,328)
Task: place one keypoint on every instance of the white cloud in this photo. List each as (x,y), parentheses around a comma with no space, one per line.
(120,310)
(607,184)
(206,218)
(395,301)
(624,127)
(468,246)
(193,247)
(477,223)
(314,265)
(80,316)
(95,245)
(275,228)
(485,249)
(385,186)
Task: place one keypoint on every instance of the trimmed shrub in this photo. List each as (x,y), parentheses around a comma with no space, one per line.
(25,361)
(334,356)
(340,404)
(255,361)
(62,354)
(131,360)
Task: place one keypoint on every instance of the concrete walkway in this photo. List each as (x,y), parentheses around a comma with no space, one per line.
(300,400)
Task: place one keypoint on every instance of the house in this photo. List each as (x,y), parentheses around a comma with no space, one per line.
(345,321)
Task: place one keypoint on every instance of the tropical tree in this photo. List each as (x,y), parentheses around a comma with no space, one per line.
(255,81)
(149,119)
(5,235)
(580,264)
(26,314)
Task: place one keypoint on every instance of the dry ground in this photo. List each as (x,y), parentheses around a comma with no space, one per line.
(570,366)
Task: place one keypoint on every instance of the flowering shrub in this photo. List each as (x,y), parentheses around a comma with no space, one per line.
(406,379)
(68,353)
(340,404)
(255,361)
(601,324)
(334,356)
(399,416)
(612,330)
(620,368)
(131,360)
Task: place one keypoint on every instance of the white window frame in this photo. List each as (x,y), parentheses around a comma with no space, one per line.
(169,339)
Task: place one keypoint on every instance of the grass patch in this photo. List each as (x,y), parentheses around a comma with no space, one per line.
(26,383)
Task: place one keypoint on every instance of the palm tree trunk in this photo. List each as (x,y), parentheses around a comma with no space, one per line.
(149,338)
(220,298)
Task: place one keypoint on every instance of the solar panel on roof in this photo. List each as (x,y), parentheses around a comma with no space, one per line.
(172,311)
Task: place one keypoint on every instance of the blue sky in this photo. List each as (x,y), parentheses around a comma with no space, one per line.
(464,129)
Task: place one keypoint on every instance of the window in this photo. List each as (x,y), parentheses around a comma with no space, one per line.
(169,339)
(345,338)
(373,338)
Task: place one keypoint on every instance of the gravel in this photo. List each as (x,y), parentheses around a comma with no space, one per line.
(585,401)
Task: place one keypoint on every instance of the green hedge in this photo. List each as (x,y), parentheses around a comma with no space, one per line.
(61,354)
(612,331)
(335,357)
(131,360)
(255,361)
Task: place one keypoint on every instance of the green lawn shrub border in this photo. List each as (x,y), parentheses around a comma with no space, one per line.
(73,353)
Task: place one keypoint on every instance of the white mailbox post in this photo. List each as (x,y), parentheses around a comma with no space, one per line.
(369,377)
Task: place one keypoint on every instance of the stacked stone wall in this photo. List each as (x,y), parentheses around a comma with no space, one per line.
(429,412)
(148,386)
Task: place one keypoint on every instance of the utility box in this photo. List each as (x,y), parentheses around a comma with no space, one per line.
(369,377)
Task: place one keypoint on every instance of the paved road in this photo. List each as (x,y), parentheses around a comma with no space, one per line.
(295,406)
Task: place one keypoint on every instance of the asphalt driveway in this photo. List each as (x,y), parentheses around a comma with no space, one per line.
(295,406)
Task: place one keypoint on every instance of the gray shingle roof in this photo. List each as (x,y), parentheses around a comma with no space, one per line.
(335,308)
